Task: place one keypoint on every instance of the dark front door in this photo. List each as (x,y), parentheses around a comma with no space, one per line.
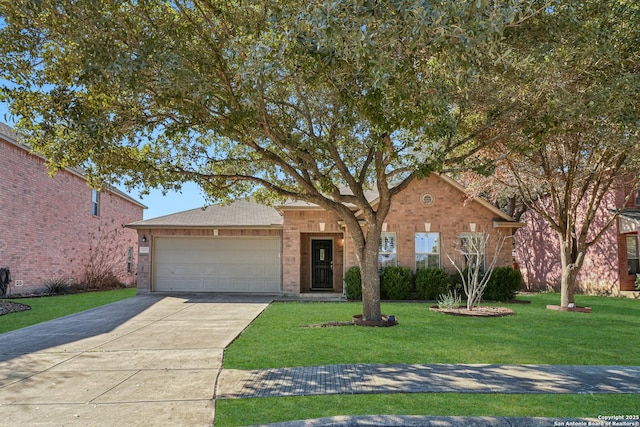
(322,264)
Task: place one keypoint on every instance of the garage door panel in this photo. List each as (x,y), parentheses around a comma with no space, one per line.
(217,264)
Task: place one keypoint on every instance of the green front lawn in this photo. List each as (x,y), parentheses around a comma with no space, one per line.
(243,412)
(48,308)
(534,335)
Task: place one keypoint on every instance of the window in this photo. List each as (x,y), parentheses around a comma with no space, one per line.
(427,250)
(129,259)
(632,255)
(387,250)
(472,246)
(95,203)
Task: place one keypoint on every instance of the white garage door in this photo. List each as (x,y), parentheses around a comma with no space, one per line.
(216,264)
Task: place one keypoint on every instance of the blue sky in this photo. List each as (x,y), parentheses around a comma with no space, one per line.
(157,203)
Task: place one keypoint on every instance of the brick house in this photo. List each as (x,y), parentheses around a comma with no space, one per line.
(52,227)
(610,266)
(299,247)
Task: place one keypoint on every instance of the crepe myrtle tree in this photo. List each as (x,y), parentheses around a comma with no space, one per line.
(272,99)
(471,263)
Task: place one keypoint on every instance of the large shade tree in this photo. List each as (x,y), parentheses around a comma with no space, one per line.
(269,98)
(573,129)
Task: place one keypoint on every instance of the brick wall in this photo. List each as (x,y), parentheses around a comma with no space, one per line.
(450,215)
(605,266)
(299,227)
(47,230)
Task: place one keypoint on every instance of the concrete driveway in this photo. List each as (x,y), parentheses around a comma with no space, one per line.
(152,360)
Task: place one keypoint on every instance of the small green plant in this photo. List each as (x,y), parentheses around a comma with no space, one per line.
(396,283)
(449,300)
(60,286)
(431,283)
(637,282)
(353,284)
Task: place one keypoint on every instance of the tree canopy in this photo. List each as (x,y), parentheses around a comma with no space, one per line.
(574,129)
(270,98)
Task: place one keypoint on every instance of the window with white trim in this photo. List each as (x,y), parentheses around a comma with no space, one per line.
(427,250)
(387,254)
(95,203)
(633,260)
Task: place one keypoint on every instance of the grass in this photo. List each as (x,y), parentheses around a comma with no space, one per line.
(52,307)
(242,412)
(534,335)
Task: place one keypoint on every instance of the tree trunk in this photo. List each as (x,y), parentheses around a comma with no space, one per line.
(567,285)
(570,260)
(370,281)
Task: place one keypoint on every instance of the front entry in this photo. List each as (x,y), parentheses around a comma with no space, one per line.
(322,264)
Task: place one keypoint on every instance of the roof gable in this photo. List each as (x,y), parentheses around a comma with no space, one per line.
(373,198)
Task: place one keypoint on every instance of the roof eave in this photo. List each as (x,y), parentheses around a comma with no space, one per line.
(508,224)
(141,226)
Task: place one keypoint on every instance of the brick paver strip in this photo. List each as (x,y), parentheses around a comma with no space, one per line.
(441,378)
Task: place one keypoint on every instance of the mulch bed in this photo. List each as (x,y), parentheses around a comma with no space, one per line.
(357,320)
(476,312)
(7,307)
(385,322)
(330,324)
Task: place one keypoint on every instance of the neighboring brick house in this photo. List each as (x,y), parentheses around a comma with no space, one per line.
(610,266)
(51,227)
(299,247)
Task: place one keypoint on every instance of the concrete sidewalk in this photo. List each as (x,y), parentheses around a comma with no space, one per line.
(151,360)
(441,378)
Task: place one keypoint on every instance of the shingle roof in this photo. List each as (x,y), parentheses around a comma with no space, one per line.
(370,195)
(7,133)
(241,213)
(632,215)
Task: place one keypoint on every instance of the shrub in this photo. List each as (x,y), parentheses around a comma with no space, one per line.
(353,283)
(431,283)
(396,283)
(503,285)
(61,286)
(105,262)
(449,300)
(101,280)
